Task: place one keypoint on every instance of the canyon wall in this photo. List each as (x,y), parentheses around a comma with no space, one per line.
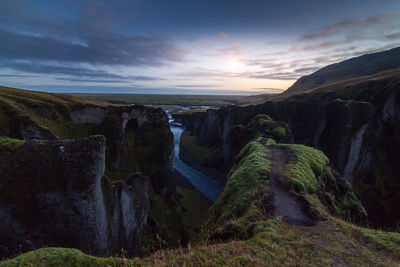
(91,193)
(356,125)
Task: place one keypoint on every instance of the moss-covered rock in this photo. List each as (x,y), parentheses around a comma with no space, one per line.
(250,198)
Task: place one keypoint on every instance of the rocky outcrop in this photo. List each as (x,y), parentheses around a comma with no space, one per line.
(92,193)
(53,194)
(89,114)
(271,180)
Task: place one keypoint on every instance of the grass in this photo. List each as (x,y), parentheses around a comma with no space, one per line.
(279,244)
(190,145)
(10,143)
(307,164)
(49,112)
(326,192)
(193,208)
(50,257)
(186,100)
(279,133)
(165,228)
(235,212)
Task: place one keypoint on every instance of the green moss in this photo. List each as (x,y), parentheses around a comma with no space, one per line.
(279,132)
(327,193)
(10,143)
(190,145)
(63,257)
(236,207)
(193,207)
(165,229)
(306,164)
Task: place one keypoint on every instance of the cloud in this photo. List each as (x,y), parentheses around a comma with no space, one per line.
(234,50)
(221,37)
(306,70)
(326,44)
(18,75)
(118,79)
(393,36)
(270,90)
(272,76)
(196,85)
(335,28)
(72,72)
(113,49)
(38,42)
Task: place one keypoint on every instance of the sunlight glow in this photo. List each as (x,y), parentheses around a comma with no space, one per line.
(235,65)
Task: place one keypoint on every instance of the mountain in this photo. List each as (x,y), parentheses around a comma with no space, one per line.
(364,65)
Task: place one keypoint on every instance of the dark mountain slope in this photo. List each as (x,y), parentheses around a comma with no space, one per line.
(355,67)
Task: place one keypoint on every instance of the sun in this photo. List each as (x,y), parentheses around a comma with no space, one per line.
(234,65)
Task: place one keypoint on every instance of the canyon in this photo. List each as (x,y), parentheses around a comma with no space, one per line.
(307,173)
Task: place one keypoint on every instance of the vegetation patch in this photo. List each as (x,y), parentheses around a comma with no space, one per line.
(278,244)
(235,213)
(189,144)
(11,143)
(325,191)
(185,100)
(54,257)
(193,207)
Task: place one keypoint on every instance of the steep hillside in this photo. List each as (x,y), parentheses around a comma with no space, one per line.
(364,65)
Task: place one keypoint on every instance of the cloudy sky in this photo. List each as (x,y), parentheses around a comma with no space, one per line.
(182,46)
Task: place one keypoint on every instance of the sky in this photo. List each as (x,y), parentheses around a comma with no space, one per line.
(182,46)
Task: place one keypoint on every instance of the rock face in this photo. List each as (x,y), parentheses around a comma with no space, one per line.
(354,123)
(89,193)
(52,194)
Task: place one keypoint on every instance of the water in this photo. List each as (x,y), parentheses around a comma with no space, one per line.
(205,185)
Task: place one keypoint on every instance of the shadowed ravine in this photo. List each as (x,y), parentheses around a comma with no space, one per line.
(285,204)
(205,185)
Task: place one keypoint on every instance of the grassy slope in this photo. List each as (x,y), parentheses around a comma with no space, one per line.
(51,112)
(344,89)
(364,65)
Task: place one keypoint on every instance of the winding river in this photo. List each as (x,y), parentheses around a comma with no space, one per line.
(210,188)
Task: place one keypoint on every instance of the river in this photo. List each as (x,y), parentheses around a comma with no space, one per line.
(210,188)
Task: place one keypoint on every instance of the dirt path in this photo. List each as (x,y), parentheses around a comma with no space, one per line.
(285,204)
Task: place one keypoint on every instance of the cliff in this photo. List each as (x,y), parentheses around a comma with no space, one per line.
(135,168)
(354,122)
(276,209)
(52,195)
